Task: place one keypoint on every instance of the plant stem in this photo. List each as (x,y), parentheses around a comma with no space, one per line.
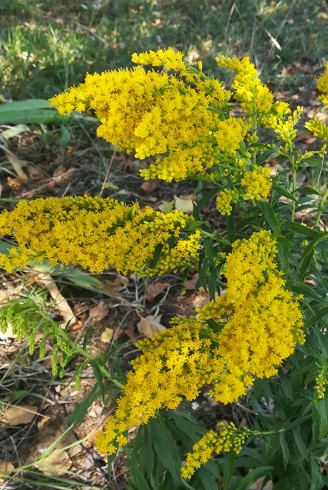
(321,206)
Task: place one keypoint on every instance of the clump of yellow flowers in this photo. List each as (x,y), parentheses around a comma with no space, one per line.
(98,233)
(179,116)
(260,324)
(228,438)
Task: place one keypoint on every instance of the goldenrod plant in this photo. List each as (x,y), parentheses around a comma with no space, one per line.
(262,338)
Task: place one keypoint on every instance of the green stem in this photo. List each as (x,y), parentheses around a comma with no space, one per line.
(294,169)
(321,206)
(103,370)
(293,192)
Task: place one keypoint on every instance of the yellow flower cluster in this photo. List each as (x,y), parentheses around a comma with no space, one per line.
(318,128)
(320,383)
(254,96)
(323,85)
(261,323)
(181,163)
(231,133)
(151,113)
(228,438)
(263,320)
(172,60)
(175,364)
(96,233)
(283,126)
(257,182)
(224,200)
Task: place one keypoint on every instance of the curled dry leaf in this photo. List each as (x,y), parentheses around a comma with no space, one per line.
(19,414)
(98,312)
(191,283)
(6,467)
(155,289)
(107,335)
(148,187)
(185,203)
(57,464)
(61,303)
(17,164)
(150,325)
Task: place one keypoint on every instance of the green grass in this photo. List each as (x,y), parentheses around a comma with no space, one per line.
(49,45)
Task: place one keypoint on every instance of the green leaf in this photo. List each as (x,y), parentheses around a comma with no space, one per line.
(284,448)
(286,387)
(305,264)
(80,411)
(284,192)
(253,476)
(312,162)
(212,286)
(307,191)
(203,273)
(319,313)
(308,254)
(269,215)
(321,406)
(315,474)
(301,229)
(147,451)
(206,198)
(99,377)
(265,155)
(37,111)
(297,434)
(165,447)
(207,479)
(228,469)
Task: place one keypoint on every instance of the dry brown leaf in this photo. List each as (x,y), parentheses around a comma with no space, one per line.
(112,287)
(4,297)
(191,283)
(61,303)
(185,203)
(19,414)
(98,312)
(149,187)
(150,325)
(200,299)
(16,163)
(107,335)
(43,422)
(58,464)
(155,289)
(6,467)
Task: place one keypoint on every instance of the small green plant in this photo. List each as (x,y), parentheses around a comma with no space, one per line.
(262,336)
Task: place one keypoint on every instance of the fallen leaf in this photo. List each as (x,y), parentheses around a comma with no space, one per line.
(20,414)
(17,164)
(61,303)
(6,467)
(185,203)
(150,325)
(112,287)
(98,312)
(200,299)
(43,422)
(58,464)
(149,187)
(155,289)
(107,335)
(191,283)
